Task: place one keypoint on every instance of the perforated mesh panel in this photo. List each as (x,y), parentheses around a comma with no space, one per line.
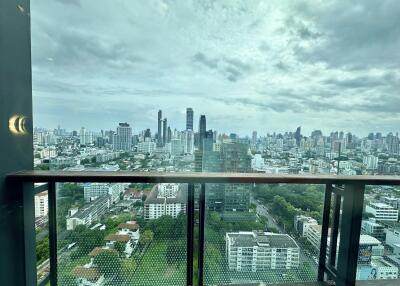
(121,234)
(251,235)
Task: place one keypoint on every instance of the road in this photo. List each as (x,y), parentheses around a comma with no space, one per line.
(263,211)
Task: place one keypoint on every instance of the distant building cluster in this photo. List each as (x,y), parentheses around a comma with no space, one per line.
(373,263)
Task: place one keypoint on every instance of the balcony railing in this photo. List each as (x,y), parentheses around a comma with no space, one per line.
(344,196)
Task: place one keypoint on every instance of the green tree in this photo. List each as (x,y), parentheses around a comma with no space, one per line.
(175,252)
(120,247)
(146,237)
(108,263)
(42,250)
(87,239)
(213,258)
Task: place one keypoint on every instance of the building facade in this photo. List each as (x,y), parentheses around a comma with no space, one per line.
(41,204)
(382,212)
(165,199)
(258,251)
(123,137)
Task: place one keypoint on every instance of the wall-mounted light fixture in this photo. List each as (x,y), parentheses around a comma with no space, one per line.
(17,125)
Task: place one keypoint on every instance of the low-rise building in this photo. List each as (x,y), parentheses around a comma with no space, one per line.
(130,228)
(94,190)
(255,251)
(302,223)
(379,268)
(165,199)
(372,228)
(382,212)
(112,239)
(88,276)
(393,239)
(394,202)
(89,213)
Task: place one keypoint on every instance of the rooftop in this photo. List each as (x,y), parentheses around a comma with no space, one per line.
(251,239)
(117,237)
(89,273)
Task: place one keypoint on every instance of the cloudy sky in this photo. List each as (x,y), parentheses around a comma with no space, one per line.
(248,65)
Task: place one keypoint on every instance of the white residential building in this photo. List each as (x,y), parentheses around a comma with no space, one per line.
(146,146)
(394,202)
(165,199)
(302,223)
(41,204)
(371,227)
(130,228)
(94,190)
(393,239)
(255,251)
(89,214)
(373,245)
(382,211)
(111,239)
(371,162)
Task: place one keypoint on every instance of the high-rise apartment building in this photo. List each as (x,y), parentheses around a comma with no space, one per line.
(159,128)
(41,204)
(189,118)
(188,142)
(82,136)
(123,137)
(202,130)
(164,132)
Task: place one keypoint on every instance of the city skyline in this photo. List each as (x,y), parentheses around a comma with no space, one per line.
(155,130)
(246,64)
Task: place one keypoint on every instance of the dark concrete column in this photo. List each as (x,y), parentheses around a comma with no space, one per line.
(15,149)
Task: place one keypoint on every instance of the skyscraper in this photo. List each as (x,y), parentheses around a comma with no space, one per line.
(165,132)
(159,132)
(188,141)
(169,134)
(189,118)
(82,136)
(227,198)
(297,135)
(123,137)
(202,130)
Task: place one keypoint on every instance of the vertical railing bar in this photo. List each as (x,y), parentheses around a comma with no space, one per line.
(335,229)
(190,235)
(350,230)
(28,197)
(324,232)
(202,213)
(53,232)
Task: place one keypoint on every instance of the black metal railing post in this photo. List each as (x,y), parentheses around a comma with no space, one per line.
(337,200)
(53,232)
(190,235)
(202,214)
(350,228)
(324,232)
(29,233)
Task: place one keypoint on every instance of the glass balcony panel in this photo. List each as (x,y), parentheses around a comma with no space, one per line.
(42,233)
(259,233)
(121,234)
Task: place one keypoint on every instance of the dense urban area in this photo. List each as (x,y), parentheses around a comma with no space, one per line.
(135,234)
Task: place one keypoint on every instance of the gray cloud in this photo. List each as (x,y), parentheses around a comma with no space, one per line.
(285,62)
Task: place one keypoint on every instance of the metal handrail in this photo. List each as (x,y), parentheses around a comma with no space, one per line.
(191,177)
